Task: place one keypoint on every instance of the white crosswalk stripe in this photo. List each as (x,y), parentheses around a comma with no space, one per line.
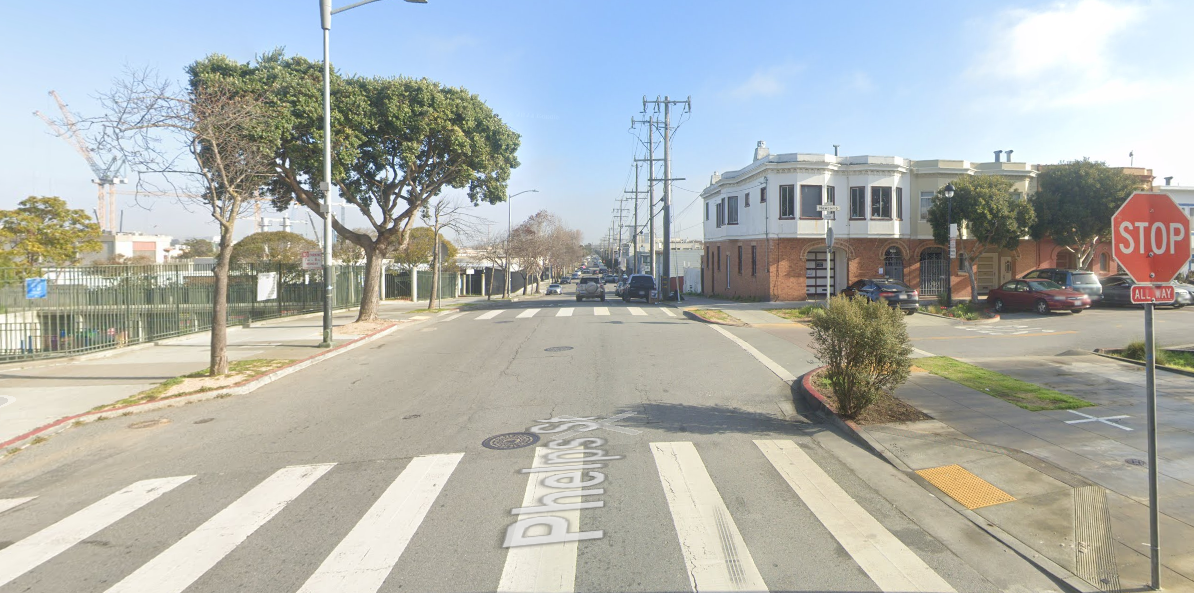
(884,558)
(489,314)
(635,311)
(23,556)
(527,313)
(364,558)
(667,311)
(455,316)
(713,548)
(601,310)
(187,560)
(565,312)
(12,503)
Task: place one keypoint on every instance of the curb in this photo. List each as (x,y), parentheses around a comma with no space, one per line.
(695,317)
(1059,575)
(24,440)
(1138,363)
(987,320)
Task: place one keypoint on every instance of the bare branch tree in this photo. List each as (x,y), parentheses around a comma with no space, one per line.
(202,144)
(446,214)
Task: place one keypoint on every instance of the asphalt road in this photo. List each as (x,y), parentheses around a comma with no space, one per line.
(367,473)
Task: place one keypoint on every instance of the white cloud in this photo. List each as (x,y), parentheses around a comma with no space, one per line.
(765,82)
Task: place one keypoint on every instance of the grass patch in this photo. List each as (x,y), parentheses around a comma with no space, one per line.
(1170,358)
(715,315)
(1026,395)
(961,310)
(802,314)
(436,310)
(245,368)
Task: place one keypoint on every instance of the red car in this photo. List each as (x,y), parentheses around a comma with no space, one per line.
(1041,296)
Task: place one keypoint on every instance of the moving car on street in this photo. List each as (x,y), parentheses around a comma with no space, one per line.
(895,293)
(1117,290)
(1083,281)
(639,286)
(590,287)
(620,287)
(1041,296)
(554,289)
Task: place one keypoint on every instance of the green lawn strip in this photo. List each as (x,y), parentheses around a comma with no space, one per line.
(1026,395)
(248,369)
(713,315)
(802,314)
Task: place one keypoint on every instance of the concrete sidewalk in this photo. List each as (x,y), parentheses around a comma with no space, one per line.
(35,393)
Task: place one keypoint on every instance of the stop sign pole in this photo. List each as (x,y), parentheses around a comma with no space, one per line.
(1151,241)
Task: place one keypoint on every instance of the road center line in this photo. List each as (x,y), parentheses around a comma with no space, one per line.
(714,551)
(781,372)
(527,313)
(884,558)
(27,554)
(364,558)
(185,561)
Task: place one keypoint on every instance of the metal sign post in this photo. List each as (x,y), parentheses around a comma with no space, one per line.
(825,209)
(1150,407)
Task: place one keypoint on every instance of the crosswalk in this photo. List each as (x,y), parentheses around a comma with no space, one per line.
(541,313)
(711,543)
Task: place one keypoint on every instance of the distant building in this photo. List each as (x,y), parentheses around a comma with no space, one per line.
(129,245)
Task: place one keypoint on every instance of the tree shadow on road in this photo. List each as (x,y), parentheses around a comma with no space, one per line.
(713,419)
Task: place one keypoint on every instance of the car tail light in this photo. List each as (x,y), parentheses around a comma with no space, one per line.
(887,294)
(916,293)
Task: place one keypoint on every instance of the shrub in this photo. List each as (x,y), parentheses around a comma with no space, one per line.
(809,310)
(1135,351)
(944,300)
(865,349)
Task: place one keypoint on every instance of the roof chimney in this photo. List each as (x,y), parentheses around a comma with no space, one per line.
(835,149)
(1169,180)
(714,178)
(761,151)
(997,153)
(1009,155)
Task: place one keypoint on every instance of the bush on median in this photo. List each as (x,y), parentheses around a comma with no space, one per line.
(865,348)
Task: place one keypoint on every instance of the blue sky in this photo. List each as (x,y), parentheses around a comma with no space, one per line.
(921,79)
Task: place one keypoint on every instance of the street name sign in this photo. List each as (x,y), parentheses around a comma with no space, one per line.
(828,208)
(1151,237)
(1147,293)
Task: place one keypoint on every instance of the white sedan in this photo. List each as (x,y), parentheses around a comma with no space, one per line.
(554,289)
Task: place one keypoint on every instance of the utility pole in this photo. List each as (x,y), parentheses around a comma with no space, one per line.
(637,266)
(667,103)
(650,160)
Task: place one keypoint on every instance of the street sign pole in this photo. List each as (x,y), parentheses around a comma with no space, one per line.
(1150,406)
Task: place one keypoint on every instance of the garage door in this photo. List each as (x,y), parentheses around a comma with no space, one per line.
(818,276)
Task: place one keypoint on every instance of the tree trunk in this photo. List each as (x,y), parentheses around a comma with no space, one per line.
(218,363)
(434,271)
(371,292)
(492,277)
(973,283)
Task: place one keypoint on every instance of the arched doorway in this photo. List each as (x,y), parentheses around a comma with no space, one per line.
(893,263)
(933,269)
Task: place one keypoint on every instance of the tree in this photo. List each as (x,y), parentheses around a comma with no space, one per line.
(992,217)
(493,251)
(44,231)
(204,142)
(120,259)
(346,252)
(1074,203)
(865,348)
(420,248)
(199,247)
(272,247)
(397,143)
(445,214)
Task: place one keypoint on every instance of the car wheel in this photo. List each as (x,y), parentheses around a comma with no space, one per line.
(909,311)
(997,305)
(1178,305)
(1075,311)
(578,299)
(625,300)
(603,298)
(1041,307)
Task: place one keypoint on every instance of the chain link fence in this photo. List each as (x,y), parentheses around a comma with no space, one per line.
(90,308)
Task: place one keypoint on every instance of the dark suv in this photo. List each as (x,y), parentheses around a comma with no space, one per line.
(640,286)
(1083,281)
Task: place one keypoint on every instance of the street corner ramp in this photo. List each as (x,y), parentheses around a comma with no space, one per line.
(968,489)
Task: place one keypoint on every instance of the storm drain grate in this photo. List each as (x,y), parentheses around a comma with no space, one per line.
(968,489)
(510,440)
(1136,462)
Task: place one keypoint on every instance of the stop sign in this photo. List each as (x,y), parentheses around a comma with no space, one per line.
(1151,237)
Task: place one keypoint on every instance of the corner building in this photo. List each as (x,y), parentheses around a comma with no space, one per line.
(765,237)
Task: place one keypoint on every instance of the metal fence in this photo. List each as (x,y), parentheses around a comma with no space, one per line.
(398,284)
(93,308)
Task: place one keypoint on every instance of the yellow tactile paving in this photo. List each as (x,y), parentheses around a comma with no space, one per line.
(968,489)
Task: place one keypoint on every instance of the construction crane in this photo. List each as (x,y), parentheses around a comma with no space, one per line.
(107,176)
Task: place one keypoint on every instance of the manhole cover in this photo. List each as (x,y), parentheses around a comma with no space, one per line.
(149,423)
(558,349)
(203,421)
(1136,462)
(510,440)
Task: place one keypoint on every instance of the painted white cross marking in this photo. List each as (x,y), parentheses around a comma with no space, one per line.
(606,424)
(1104,420)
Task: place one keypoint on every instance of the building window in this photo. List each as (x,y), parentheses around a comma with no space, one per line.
(899,200)
(881,203)
(739,260)
(719,258)
(762,195)
(754,260)
(787,201)
(1103,262)
(830,198)
(721,213)
(708,259)
(732,218)
(858,203)
(746,200)
(706,211)
(926,202)
(810,198)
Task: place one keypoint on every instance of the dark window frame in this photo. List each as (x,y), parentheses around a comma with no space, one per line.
(754,260)
(858,199)
(763,195)
(899,203)
(739,260)
(732,211)
(746,200)
(706,211)
(830,198)
(821,200)
(719,258)
(789,199)
(883,199)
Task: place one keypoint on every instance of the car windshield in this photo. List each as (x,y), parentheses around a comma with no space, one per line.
(642,281)
(892,285)
(1043,285)
(588,280)
(1085,279)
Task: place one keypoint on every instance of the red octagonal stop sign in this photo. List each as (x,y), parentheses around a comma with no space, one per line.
(1151,237)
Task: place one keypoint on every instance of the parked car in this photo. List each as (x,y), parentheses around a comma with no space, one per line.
(1117,290)
(590,287)
(1041,296)
(565,280)
(1083,281)
(895,293)
(610,279)
(639,286)
(554,289)
(619,288)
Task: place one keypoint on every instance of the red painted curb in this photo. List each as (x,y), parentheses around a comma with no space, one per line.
(807,383)
(66,419)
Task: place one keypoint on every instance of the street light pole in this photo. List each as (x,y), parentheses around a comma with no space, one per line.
(509,230)
(949,230)
(325,208)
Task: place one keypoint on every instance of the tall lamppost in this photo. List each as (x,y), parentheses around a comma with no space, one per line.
(325,208)
(509,229)
(949,225)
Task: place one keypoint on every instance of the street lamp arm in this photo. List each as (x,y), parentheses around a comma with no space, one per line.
(364,2)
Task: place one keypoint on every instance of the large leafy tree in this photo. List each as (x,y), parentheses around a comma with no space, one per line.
(45,231)
(199,247)
(1074,203)
(420,248)
(992,217)
(272,247)
(397,143)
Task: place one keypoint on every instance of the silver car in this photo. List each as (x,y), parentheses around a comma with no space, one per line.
(554,289)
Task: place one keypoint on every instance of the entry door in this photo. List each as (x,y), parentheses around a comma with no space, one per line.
(986,275)
(818,274)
